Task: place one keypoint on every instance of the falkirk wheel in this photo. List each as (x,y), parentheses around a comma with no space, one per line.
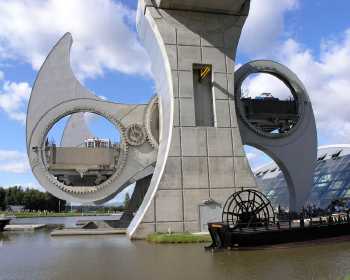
(184,150)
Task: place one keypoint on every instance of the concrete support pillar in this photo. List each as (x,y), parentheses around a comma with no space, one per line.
(195,162)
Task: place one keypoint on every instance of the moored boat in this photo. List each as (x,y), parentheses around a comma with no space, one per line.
(4,222)
(248,219)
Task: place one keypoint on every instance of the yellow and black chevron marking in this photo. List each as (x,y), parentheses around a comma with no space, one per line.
(204,71)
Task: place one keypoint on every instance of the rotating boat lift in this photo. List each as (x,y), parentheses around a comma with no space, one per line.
(186,146)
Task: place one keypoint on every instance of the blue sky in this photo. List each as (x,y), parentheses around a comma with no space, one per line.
(310,37)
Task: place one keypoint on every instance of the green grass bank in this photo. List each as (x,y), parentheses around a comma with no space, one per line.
(178,238)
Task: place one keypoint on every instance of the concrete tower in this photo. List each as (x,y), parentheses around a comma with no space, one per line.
(192,45)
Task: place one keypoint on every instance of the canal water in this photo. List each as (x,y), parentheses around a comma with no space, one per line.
(37,255)
(66,221)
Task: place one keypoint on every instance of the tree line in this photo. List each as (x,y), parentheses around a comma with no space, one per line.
(31,199)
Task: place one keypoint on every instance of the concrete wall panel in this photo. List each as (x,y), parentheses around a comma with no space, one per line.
(243,174)
(186,84)
(170,227)
(221,172)
(187,117)
(193,141)
(195,172)
(215,57)
(169,206)
(192,226)
(175,149)
(188,55)
(176,121)
(220,86)
(222,113)
(219,142)
(172,54)
(172,174)
(192,200)
(187,37)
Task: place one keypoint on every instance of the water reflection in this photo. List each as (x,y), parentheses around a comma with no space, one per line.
(39,256)
(66,221)
(3,237)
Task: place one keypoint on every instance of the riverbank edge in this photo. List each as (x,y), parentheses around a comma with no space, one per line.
(178,238)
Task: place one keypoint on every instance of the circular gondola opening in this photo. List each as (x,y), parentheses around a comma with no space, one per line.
(82,149)
(268,104)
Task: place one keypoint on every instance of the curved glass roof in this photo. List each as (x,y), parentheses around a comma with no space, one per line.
(331,179)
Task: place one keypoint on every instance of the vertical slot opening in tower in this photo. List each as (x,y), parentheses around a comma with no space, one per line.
(203,94)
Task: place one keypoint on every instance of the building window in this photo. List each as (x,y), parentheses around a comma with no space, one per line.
(320,187)
(337,185)
(203,95)
(325,178)
(346,193)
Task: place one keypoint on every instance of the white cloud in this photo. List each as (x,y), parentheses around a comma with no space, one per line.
(26,185)
(264,25)
(257,84)
(104,98)
(103,31)
(13,162)
(31,185)
(327,80)
(251,155)
(2,75)
(6,155)
(14,98)
(88,117)
(256,158)
(14,167)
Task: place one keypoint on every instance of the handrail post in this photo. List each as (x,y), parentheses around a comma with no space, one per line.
(302,221)
(289,221)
